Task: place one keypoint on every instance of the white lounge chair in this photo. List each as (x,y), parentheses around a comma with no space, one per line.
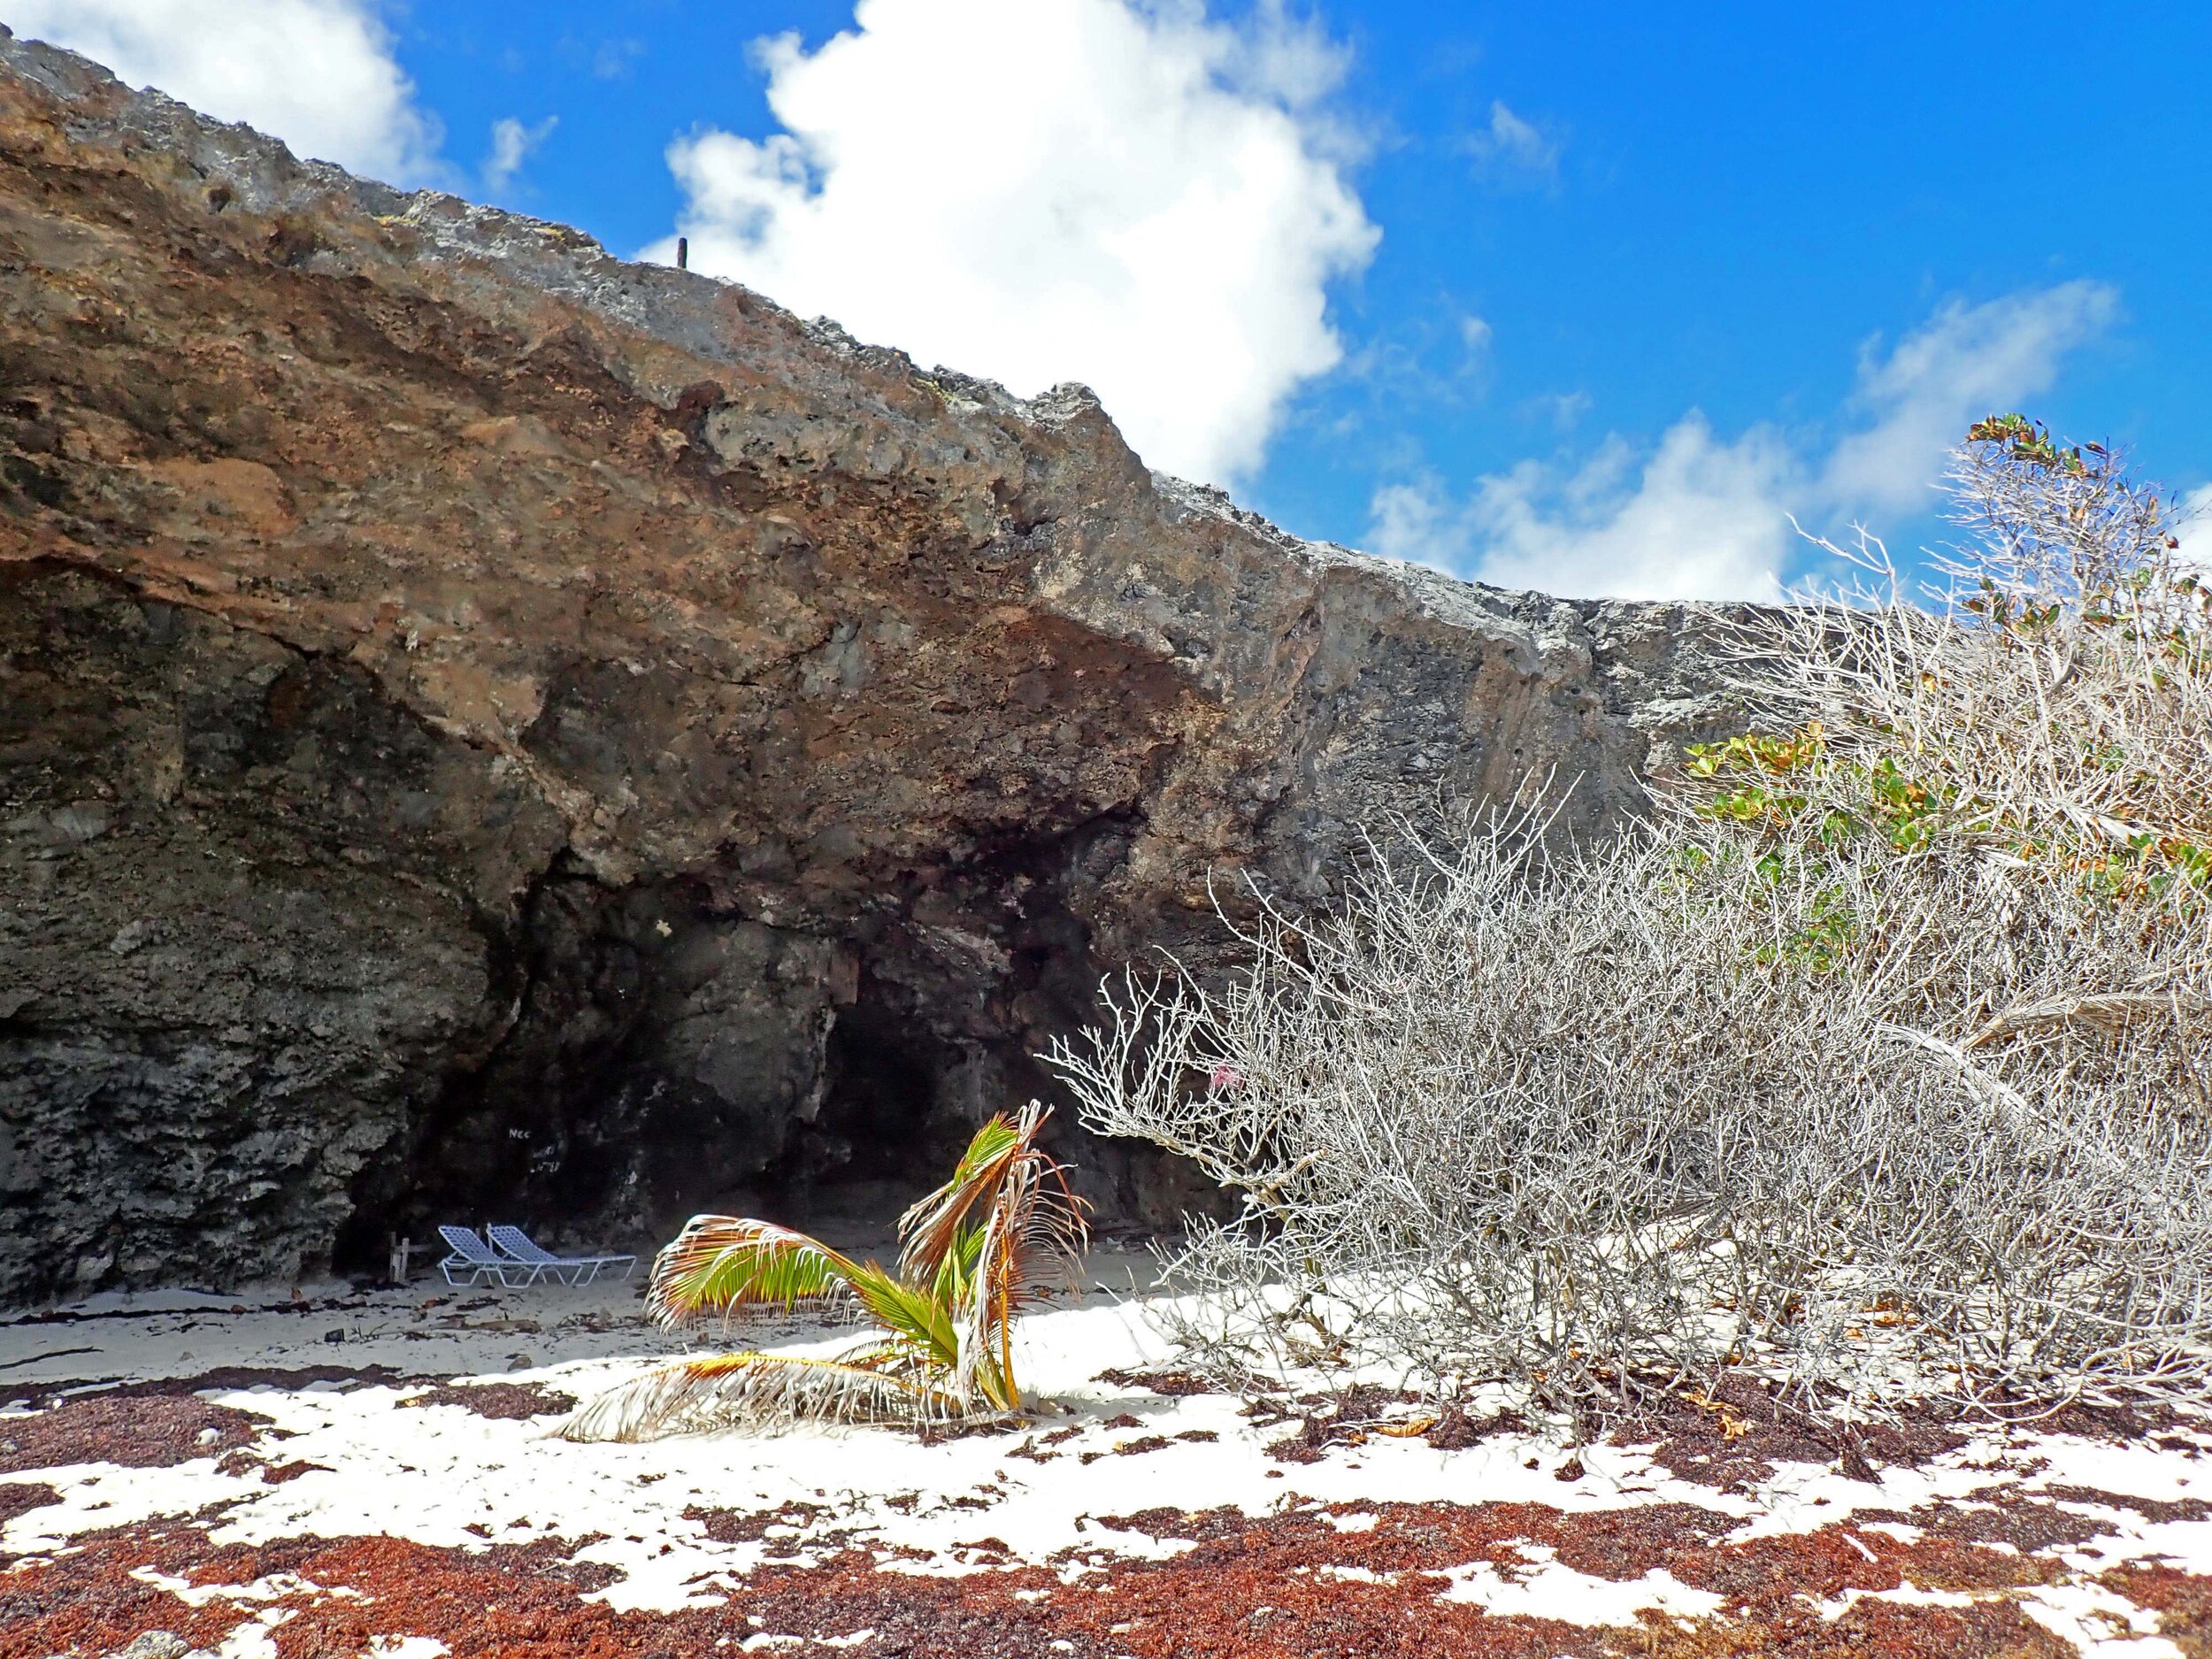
(528,1253)
(472,1260)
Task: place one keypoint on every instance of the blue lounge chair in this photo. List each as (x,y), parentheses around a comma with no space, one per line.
(526,1252)
(473,1261)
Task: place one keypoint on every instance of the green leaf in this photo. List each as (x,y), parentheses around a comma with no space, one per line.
(722,1262)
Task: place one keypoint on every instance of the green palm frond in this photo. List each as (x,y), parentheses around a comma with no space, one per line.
(958,1270)
(987,1240)
(912,1316)
(877,1385)
(930,1229)
(1003,1170)
(973,1253)
(718,1263)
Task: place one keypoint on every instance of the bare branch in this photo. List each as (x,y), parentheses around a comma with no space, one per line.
(1877,1063)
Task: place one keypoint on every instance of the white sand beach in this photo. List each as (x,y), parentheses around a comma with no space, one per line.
(420,1418)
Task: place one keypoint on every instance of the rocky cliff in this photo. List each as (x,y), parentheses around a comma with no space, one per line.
(491,730)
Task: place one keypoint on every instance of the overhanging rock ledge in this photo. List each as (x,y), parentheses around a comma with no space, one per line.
(489,730)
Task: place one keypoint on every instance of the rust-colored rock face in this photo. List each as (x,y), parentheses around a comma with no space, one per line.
(489,730)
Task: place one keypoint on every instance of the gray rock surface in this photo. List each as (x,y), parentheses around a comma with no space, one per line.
(489,730)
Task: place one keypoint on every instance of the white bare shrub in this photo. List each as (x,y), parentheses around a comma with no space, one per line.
(1877,1062)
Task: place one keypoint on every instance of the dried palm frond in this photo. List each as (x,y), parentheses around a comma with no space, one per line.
(988,1239)
(878,1384)
(1002,1158)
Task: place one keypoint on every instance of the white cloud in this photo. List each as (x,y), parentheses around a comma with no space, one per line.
(511,144)
(1699,516)
(1564,410)
(319,74)
(1695,519)
(2196,528)
(617,60)
(1475,334)
(1962,363)
(1107,191)
(1514,149)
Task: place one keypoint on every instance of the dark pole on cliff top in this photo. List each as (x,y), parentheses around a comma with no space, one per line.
(683,253)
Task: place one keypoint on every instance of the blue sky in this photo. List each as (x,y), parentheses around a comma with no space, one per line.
(1584,297)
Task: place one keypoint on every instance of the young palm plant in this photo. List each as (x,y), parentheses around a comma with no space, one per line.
(972,1254)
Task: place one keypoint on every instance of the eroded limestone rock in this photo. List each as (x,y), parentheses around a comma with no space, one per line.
(487,730)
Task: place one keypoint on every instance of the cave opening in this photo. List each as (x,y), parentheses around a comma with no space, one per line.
(593,1139)
(880,1137)
(666,1059)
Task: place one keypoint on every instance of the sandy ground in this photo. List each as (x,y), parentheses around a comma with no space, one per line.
(370,1473)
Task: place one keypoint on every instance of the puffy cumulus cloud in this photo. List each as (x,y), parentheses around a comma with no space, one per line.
(1124,194)
(319,74)
(1701,517)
